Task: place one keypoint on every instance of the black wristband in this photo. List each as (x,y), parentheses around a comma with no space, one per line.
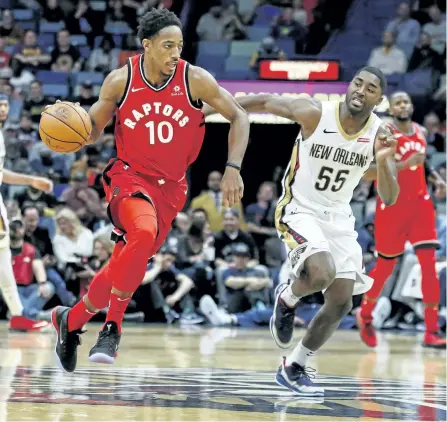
(235,166)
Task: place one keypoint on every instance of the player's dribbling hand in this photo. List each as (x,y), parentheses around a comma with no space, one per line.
(232,187)
(42,184)
(416,159)
(59,101)
(388,147)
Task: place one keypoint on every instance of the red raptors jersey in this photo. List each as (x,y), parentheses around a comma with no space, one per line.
(412,181)
(22,265)
(159,131)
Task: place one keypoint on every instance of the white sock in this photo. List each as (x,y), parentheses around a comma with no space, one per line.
(300,355)
(288,297)
(8,283)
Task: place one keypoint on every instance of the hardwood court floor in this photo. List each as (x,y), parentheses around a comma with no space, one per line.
(205,374)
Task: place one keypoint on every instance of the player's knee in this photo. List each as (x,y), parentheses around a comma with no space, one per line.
(321,272)
(340,308)
(144,230)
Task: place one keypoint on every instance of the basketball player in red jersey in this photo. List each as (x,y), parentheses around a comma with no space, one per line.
(157,98)
(411,218)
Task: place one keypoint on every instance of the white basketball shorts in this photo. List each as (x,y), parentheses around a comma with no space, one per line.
(4,226)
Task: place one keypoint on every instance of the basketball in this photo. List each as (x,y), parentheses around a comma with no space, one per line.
(65,127)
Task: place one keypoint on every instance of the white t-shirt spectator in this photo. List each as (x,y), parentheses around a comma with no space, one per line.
(437,33)
(388,60)
(68,250)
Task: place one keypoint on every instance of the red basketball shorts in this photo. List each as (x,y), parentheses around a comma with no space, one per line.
(414,221)
(167,197)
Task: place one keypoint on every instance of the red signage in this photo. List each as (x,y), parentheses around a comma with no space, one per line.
(300,70)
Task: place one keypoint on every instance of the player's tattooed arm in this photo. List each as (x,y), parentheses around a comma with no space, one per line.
(112,91)
(204,87)
(385,150)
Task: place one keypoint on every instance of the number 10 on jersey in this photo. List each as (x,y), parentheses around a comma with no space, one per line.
(162,131)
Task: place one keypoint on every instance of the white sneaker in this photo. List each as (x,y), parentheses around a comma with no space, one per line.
(215,315)
(381,312)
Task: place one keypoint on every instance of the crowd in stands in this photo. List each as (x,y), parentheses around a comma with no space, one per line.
(224,263)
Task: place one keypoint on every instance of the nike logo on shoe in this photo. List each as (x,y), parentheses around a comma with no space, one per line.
(137,89)
(327,131)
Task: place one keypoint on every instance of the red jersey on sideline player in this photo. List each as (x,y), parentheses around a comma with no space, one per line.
(412,218)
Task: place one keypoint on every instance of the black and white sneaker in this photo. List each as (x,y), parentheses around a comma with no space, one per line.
(281,322)
(106,348)
(67,341)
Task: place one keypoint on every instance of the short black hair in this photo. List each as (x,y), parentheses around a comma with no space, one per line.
(376,72)
(152,22)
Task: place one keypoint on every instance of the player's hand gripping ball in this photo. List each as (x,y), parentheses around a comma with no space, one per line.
(65,127)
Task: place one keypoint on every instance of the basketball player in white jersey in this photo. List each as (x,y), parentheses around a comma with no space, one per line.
(335,147)
(8,285)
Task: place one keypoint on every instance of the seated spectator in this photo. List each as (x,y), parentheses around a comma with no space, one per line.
(405,29)
(246,287)
(44,202)
(366,241)
(13,211)
(36,101)
(104,58)
(86,96)
(268,50)
(11,32)
(436,29)
(39,237)
(179,229)
(286,27)
(15,102)
(72,240)
(424,57)
(29,55)
(4,56)
(211,25)
(168,289)
(198,215)
(234,28)
(389,58)
(44,161)
(29,271)
(65,57)
(261,215)
(83,200)
(231,235)
(26,134)
(52,12)
(211,202)
(433,135)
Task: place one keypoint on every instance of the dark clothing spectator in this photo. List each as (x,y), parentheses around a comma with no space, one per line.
(224,244)
(424,57)
(32,197)
(65,57)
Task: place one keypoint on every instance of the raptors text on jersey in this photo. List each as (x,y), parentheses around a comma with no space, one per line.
(159,130)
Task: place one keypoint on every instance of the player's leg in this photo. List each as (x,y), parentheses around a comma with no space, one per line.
(69,322)
(313,270)
(293,373)
(138,218)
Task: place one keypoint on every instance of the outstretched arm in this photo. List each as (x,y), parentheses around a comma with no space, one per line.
(204,87)
(385,147)
(40,183)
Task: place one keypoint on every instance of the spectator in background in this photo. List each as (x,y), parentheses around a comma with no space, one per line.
(268,50)
(4,56)
(26,134)
(52,12)
(436,29)
(31,197)
(211,202)
(13,210)
(179,229)
(405,29)
(104,59)
(286,27)
(246,286)
(86,96)
(211,25)
(299,13)
(9,30)
(231,235)
(29,55)
(424,57)
(28,267)
(72,240)
(234,28)
(389,58)
(366,241)
(36,101)
(15,102)
(65,57)
(129,48)
(43,160)
(434,137)
(83,200)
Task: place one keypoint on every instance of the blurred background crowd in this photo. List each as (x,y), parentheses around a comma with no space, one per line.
(223,262)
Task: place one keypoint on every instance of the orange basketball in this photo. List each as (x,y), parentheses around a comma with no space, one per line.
(65,127)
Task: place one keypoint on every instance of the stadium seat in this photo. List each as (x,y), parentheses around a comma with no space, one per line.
(5,4)
(77,90)
(243,48)
(58,189)
(258,33)
(95,78)
(25,25)
(117,28)
(214,64)
(117,38)
(79,40)
(419,82)
(85,26)
(46,40)
(288,46)
(214,48)
(51,26)
(22,14)
(239,74)
(237,63)
(53,90)
(49,77)
(99,6)
(265,14)
(85,51)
